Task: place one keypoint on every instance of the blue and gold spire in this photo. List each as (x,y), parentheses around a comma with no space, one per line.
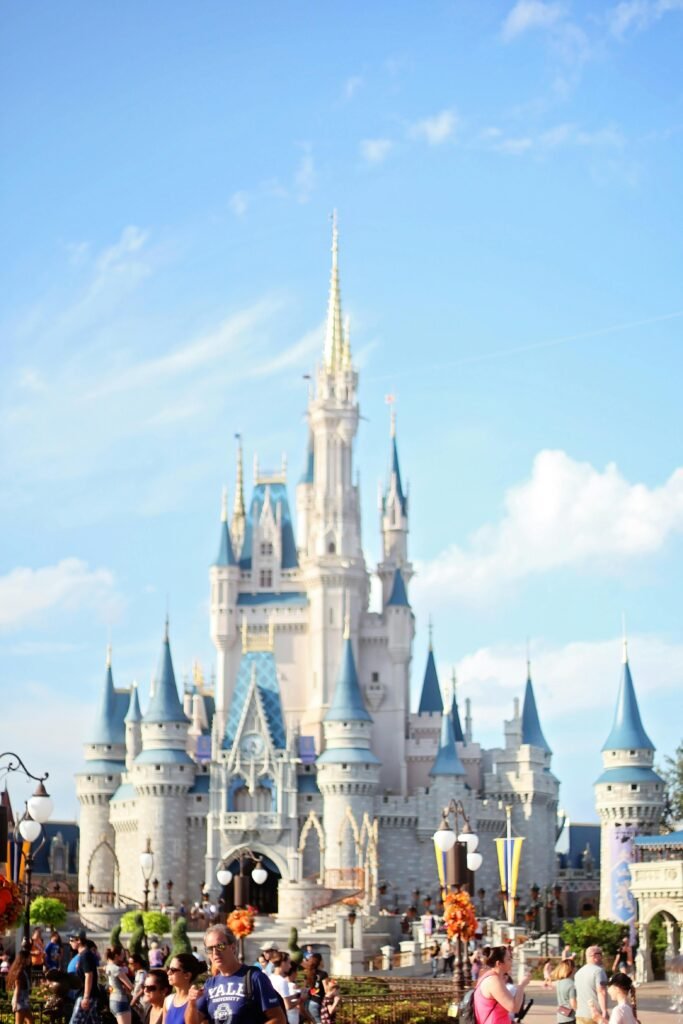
(398,597)
(107,726)
(430,697)
(133,714)
(165,705)
(531,725)
(627,731)
(447,761)
(226,555)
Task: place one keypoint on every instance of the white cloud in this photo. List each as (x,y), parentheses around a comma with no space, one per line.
(576,679)
(531,14)
(25,594)
(566,514)
(239,203)
(351,86)
(375,151)
(565,135)
(435,129)
(636,15)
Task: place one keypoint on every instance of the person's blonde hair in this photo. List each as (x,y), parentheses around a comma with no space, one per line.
(564,969)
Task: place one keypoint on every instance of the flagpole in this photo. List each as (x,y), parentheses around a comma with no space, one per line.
(508,865)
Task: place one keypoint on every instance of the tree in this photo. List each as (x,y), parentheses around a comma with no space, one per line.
(180,942)
(672,773)
(115,936)
(153,922)
(48,911)
(296,954)
(591,931)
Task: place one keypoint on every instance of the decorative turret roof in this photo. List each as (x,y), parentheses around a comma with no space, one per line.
(347,702)
(226,555)
(447,761)
(531,726)
(133,714)
(308,473)
(257,669)
(165,705)
(398,597)
(455,714)
(627,731)
(109,728)
(430,698)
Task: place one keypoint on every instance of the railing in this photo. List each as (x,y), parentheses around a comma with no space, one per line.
(398,1004)
(105,899)
(345,878)
(248,820)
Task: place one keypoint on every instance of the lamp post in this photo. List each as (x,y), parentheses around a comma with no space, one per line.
(351,917)
(147,867)
(28,828)
(224,875)
(461,861)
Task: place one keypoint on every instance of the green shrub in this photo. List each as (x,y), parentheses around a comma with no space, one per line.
(591,931)
(48,911)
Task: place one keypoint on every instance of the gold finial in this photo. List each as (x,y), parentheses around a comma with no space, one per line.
(166,625)
(431,634)
(109,655)
(334,339)
(198,675)
(224,505)
(624,656)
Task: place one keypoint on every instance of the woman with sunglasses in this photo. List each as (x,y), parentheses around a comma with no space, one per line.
(156,988)
(182,971)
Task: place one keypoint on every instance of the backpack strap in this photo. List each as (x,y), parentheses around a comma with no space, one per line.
(249,983)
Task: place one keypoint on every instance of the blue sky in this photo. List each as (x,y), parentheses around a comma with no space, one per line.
(507,177)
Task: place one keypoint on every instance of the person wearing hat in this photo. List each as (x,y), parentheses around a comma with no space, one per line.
(268,949)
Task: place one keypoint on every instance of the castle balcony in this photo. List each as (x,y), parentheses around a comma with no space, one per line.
(252,821)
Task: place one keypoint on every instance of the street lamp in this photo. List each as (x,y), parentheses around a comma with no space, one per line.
(29,828)
(224,875)
(147,867)
(461,860)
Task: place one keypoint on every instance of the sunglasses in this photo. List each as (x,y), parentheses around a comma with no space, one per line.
(150,988)
(174,970)
(220,947)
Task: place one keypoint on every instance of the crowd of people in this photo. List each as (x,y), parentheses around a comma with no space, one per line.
(168,988)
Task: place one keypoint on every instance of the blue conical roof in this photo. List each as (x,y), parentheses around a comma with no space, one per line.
(133,714)
(396,471)
(430,698)
(347,700)
(106,725)
(627,729)
(165,704)
(398,597)
(447,761)
(455,719)
(226,555)
(531,726)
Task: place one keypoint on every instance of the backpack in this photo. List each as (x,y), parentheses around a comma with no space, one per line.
(249,990)
(464,1010)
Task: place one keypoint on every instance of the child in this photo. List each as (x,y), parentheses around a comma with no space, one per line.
(547,973)
(619,989)
(331,1000)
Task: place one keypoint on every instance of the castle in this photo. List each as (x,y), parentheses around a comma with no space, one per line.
(306,751)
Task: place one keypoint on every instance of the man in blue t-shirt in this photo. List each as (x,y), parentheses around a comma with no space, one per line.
(223,999)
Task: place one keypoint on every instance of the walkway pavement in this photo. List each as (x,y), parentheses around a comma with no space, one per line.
(654,1004)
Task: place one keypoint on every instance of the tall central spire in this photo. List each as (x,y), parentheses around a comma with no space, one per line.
(335,347)
(238,510)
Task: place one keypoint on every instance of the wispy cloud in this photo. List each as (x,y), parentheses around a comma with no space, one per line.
(567,514)
(527,15)
(436,129)
(26,594)
(305,175)
(564,135)
(352,85)
(239,203)
(637,15)
(375,151)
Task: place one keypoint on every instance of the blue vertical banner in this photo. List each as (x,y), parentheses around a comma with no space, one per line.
(623,906)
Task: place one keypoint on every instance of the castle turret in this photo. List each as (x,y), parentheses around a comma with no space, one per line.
(162,774)
(394,524)
(447,763)
(531,725)
(348,770)
(224,578)
(629,797)
(431,700)
(96,783)
(133,721)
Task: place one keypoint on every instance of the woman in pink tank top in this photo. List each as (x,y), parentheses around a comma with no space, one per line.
(493,1004)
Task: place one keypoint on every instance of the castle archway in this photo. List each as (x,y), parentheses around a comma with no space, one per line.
(263,897)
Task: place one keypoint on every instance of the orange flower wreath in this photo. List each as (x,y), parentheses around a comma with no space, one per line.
(459,916)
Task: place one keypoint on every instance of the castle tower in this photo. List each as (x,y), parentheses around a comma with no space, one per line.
(390,737)
(162,774)
(133,731)
(304,497)
(394,524)
(333,565)
(224,578)
(431,701)
(629,798)
(96,783)
(348,770)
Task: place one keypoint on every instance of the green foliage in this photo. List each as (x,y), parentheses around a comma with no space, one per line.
(591,931)
(657,936)
(132,924)
(115,936)
(179,940)
(156,923)
(48,911)
(672,773)
(296,954)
